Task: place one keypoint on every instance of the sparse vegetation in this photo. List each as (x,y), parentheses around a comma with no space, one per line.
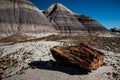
(105,43)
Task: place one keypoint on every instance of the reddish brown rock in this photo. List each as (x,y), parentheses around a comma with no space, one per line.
(80,56)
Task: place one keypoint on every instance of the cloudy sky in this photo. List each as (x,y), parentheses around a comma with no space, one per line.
(107,12)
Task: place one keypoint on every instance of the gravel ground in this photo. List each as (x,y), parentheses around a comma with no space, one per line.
(40,71)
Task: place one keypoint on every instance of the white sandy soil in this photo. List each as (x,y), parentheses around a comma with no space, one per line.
(38,53)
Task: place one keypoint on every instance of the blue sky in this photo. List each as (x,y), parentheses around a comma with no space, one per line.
(107,12)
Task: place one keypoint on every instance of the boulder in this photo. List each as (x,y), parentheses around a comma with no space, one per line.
(81,56)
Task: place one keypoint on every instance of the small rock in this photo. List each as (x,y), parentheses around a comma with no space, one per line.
(17,61)
(33,67)
(108,73)
(50,64)
(114,75)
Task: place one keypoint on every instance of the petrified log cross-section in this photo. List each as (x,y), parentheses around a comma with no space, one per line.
(81,56)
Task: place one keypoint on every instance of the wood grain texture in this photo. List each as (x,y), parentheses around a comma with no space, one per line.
(81,56)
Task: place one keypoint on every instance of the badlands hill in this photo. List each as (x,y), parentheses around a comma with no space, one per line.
(19,16)
(91,25)
(65,20)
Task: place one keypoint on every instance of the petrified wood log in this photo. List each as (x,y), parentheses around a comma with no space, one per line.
(81,56)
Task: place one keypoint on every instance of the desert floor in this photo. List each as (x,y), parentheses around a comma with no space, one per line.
(26,58)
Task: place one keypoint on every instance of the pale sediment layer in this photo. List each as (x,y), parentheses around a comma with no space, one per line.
(8,30)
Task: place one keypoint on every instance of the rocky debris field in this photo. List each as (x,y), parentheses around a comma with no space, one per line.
(31,59)
(105,43)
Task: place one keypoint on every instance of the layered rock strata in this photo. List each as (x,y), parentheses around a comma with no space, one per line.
(63,19)
(91,25)
(22,16)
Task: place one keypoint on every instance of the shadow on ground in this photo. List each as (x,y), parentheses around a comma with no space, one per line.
(68,70)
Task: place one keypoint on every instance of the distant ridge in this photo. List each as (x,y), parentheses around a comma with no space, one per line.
(65,20)
(91,25)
